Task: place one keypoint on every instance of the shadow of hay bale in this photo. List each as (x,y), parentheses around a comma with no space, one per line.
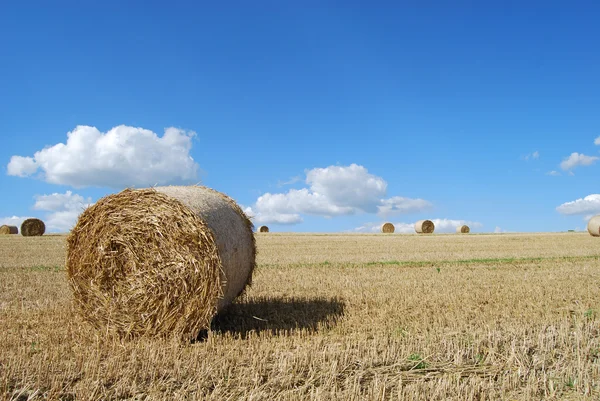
(276,315)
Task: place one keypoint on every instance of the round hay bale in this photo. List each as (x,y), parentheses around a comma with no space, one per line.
(33,227)
(593,226)
(424,227)
(263,229)
(160,261)
(464,229)
(387,228)
(5,230)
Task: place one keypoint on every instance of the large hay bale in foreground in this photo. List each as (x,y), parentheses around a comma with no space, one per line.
(388,228)
(424,227)
(464,229)
(593,226)
(160,261)
(5,230)
(263,229)
(33,227)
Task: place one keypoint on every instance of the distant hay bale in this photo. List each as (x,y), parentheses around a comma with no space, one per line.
(593,226)
(263,229)
(33,228)
(160,261)
(388,228)
(424,227)
(5,230)
(464,229)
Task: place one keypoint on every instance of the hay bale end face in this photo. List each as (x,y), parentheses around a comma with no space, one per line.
(388,228)
(424,227)
(160,261)
(464,229)
(263,229)
(6,230)
(33,227)
(593,226)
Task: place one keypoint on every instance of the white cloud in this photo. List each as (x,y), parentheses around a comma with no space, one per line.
(333,191)
(498,230)
(597,141)
(270,217)
(64,209)
(351,188)
(21,166)
(301,201)
(56,202)
(448,225)
(123,156)
(553,173)
(589,205)
(441,226)
(399,204)
(577,159)
(13,221)
(62,221)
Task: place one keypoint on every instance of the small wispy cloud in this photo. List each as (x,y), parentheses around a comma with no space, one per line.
(532,156)
(577,159)
(291,181)
(553,173)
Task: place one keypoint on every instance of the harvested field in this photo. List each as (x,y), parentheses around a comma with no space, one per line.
(343,317)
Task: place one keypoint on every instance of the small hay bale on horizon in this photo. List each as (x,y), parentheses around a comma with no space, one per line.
(593,226)
(388,228)
(263,229)
(424,227)
(464,229)
(33,227)
(160,261)
(7,230)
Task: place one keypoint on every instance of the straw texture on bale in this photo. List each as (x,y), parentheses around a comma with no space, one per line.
(424,227)
(387,228)
(464,229)
(4,230)
(160,261)
(33,227)
(593,226)
(263,229)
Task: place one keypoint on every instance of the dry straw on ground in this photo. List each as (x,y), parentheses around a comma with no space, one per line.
(4,230)
(387,228)
(424,227)
(464,229)
(160,261)
(594,226)
(263,229)
(332,317)
(33,227)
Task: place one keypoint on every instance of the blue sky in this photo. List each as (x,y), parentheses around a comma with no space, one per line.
(325,116)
